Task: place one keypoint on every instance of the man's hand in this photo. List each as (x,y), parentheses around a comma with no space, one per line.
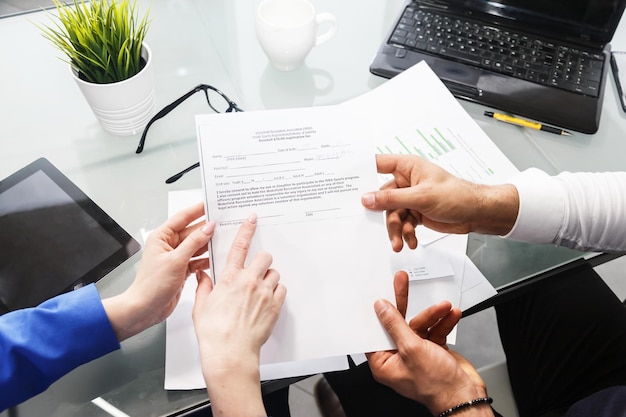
(422,369)
(422,193)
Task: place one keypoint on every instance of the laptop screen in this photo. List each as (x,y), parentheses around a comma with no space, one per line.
(580,20)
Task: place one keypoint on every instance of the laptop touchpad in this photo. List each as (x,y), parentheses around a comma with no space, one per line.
(455,72)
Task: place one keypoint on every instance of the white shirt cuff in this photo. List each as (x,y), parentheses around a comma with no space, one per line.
(542,207)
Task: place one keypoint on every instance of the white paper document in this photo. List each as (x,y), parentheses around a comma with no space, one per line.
(303,172)
(182,357)
(414,114)
(424,262)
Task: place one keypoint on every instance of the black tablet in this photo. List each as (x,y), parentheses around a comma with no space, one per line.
(53,238)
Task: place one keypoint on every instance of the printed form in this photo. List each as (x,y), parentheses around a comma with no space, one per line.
(303,172)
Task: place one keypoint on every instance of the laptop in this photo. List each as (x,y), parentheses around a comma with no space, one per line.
(545,60)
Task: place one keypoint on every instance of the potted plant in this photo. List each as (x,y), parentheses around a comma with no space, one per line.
(103,42)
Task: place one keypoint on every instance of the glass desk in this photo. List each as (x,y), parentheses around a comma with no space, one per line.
(213,41)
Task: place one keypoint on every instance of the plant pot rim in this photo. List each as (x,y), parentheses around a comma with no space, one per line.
(146,54)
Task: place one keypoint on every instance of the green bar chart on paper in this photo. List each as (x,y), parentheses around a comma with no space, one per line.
(441,145)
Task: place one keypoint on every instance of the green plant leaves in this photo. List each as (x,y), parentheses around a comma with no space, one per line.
(102,39)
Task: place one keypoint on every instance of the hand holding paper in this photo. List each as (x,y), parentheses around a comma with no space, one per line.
(423,193)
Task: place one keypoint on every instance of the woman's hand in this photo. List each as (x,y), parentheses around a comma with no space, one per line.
(232,321)
(165,265)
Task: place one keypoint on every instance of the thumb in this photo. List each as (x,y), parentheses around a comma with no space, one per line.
(393,322)
(196,240)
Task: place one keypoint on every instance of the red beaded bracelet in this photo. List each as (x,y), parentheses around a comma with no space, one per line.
(477,401)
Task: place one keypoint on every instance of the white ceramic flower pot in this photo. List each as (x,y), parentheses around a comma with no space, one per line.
(122,108)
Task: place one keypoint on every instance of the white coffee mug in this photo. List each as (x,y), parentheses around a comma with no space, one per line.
(287,31)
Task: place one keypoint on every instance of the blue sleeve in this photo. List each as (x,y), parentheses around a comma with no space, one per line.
(39,345)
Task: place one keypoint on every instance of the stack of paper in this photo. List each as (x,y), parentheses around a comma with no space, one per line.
(303,172)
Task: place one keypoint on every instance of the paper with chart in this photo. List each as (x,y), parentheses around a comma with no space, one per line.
(303,172)
(415,114)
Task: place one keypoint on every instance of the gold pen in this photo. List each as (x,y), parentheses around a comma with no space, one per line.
(526,123)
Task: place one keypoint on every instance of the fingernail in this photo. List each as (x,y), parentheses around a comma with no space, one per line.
(368,200)
(252,218)
(380,306)
(208,228)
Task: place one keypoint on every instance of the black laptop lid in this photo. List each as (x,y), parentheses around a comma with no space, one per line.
(590,22)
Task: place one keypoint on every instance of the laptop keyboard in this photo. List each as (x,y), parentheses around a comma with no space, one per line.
(516,54)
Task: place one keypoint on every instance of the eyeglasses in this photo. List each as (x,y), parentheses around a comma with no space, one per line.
(221,104)
(217,101)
